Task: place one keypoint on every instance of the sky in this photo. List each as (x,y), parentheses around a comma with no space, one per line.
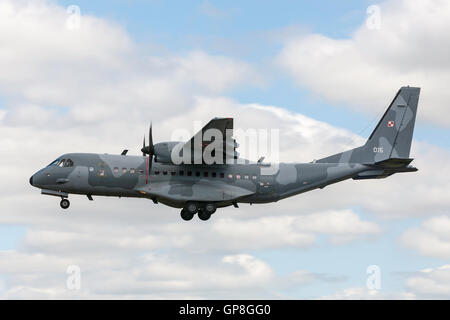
(322,73)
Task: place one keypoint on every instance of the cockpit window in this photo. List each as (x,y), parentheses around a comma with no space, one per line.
(68,163)
(61,163)
(54,162)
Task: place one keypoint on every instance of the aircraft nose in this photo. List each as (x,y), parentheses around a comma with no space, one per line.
(31,180)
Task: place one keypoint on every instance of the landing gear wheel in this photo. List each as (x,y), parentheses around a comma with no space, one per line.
(64,203)
(186,215)
(203,215)
(191,207)
(210,208)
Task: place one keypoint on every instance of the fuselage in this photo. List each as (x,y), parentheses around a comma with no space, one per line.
(131,176)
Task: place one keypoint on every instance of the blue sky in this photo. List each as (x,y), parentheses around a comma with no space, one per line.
(253,31)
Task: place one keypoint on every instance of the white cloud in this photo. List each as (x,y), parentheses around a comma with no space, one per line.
(432,238)
(92,73)
(431,283)
(144,276)
(296,231)
(365,70)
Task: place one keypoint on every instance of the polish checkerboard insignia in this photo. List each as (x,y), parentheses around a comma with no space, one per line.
(390,124)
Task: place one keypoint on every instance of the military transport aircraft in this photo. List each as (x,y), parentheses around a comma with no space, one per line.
(198,185)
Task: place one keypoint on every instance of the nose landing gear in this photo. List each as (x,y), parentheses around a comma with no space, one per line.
(65,203)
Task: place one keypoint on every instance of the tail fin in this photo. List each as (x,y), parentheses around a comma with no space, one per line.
(392,136)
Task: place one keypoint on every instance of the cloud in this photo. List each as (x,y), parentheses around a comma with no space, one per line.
(92,72)
(147,275)
(432,238)
(365,70)
(431,283)
(297,231)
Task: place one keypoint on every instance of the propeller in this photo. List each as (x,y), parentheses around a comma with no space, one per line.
(150,150)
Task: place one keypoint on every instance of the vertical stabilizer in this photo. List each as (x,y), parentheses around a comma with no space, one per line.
(392,136)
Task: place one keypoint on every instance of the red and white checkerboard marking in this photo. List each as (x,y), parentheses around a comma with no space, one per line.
(390,124)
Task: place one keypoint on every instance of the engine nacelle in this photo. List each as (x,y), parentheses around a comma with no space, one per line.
(163,151)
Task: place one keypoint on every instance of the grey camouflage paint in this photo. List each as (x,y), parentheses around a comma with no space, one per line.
(386,152)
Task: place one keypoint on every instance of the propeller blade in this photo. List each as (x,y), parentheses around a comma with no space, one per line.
(151,148)
(143,148)
(151,151)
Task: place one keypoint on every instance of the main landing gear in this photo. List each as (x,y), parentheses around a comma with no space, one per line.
(65,203)
(204,210)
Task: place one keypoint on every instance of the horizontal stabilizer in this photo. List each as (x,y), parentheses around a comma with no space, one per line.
(392,163)
(385,168)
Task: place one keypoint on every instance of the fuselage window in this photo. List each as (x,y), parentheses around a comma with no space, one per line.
(116,170)
(222,175)
(102,172)
(181,173)
(205,174)
(214,174)
(246,177)
(173,173)
(189,173)
(238,176)
(254,177)
(132,170)
(91,169)
(165,173)
(197,174)
(156,172)
(230,176)
(124,170)
(141,171)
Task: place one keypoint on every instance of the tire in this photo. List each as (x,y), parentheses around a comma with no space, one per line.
(186,215)
(191,207)
(64,203)
(210,208)
(203,215)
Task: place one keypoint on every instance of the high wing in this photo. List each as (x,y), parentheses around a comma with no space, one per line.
(200,142)
(201,190)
